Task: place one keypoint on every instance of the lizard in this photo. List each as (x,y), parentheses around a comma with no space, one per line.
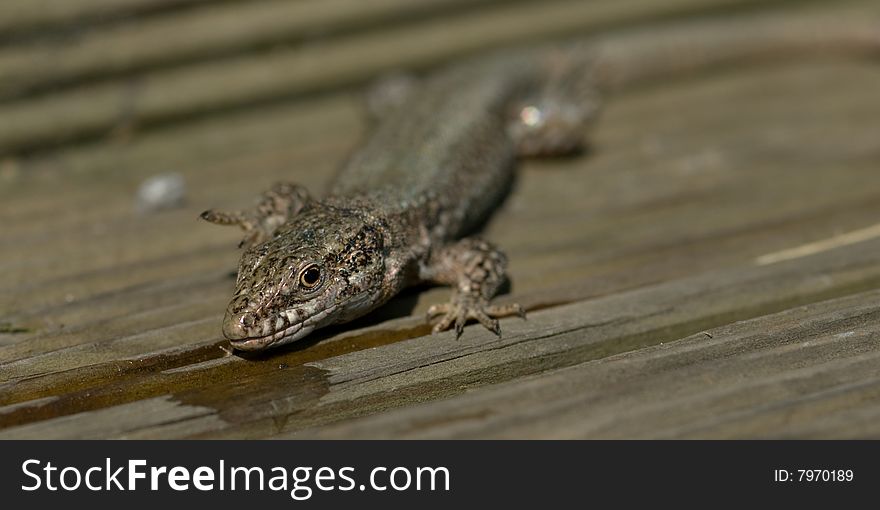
(400,211)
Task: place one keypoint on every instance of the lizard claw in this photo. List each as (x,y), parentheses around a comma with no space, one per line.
(461,309)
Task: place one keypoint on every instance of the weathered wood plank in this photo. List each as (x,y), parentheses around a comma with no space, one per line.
(790,374)
(23,16)
(682,192)
(286,391)
(162,96)
(751,185)
(153,414)
(216,29)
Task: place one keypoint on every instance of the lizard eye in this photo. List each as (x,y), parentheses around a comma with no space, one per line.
(310,276)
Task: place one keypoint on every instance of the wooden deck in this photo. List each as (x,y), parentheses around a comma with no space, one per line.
(711,268)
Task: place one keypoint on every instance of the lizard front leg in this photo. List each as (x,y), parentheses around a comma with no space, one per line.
(275,207)
(475,269)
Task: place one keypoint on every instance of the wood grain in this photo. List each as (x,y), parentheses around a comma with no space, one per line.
(136,78)
(109,320)
(807,372)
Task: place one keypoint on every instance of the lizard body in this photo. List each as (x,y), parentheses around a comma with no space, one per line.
(439,162)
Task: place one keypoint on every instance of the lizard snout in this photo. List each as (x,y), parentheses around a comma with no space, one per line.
(241,320)
(237,326)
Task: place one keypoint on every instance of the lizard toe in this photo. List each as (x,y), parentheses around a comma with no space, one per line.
(459,311)
(498,311)
(484,317)
(435,310)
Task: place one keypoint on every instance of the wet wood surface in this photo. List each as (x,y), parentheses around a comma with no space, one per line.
(707,269)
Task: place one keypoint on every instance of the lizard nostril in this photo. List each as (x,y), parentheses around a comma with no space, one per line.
(236,326)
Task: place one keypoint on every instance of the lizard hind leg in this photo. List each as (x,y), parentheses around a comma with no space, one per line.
(553,120)
(274,207)
(475,269)
(552,126)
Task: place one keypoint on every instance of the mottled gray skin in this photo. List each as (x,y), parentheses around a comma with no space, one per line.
(435,166)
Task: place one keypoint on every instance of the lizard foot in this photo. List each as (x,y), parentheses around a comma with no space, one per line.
(259,223)
(462,308)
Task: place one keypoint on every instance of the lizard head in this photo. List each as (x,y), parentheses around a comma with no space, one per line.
(322,267)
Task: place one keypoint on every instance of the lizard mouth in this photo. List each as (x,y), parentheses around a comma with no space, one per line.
(289,334)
